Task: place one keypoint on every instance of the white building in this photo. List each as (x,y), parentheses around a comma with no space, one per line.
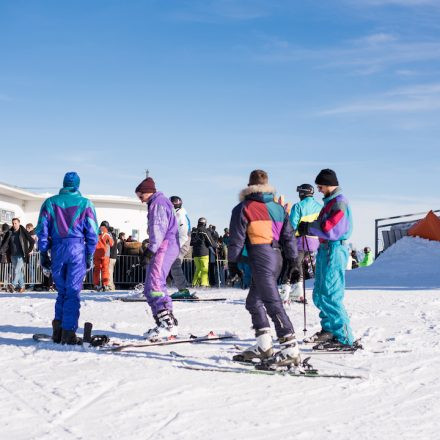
(125,214)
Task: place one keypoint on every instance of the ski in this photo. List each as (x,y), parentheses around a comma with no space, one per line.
(128,299)
(310,351)
(191,340)
(305,373)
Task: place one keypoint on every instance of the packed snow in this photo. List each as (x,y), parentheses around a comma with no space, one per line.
(55,392)
(410,263)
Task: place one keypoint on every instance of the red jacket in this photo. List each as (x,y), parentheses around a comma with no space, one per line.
(105,242)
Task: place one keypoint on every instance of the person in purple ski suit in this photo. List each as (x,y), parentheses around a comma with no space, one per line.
(159,255)
(67,228)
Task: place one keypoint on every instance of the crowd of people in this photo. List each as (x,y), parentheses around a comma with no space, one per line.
(269,247)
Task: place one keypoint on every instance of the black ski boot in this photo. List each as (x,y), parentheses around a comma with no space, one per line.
(56,331)
(69,337)
(318,337)
(334,345)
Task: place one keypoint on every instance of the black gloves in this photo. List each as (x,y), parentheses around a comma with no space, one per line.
(303,228)
(146,257)
(45,263)
(234,270)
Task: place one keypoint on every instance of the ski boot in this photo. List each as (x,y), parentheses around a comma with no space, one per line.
(319,337)
(69,337)
(182,294)
(335,345)
(56,331)
(261,350)
(288,355)
(285,291)
(166,327)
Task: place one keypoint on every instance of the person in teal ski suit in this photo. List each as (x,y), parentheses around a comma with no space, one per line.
(333,227)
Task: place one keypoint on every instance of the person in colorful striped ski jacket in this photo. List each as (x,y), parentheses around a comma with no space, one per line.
(263,226)
(333,227)
(67,228)
(306,210)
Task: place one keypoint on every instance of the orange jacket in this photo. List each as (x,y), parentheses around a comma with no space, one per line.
(105,242)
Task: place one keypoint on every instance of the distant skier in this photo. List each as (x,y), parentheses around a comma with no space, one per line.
(184,227)
(333,227)
(67,228)
(101,259)
(306,210)
(368,258)
(202,243)
(161,252)
(264,227)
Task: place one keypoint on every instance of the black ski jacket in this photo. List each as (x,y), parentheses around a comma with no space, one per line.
(26,242)
(201,241)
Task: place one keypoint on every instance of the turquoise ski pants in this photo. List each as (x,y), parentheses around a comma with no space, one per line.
(328,292)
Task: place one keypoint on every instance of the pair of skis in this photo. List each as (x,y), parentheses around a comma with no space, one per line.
(117,346)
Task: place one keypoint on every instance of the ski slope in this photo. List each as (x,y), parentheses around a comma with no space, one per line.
(53,392)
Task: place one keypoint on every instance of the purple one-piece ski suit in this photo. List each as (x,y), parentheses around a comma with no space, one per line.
(164,244)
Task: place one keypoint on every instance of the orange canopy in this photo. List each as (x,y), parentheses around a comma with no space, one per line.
(428,228)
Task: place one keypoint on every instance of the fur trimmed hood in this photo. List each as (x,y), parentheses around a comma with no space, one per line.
(252,189)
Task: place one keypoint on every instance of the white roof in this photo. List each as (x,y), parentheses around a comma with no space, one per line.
(24,194)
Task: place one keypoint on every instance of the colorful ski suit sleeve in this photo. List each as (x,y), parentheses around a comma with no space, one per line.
(90,230)
(333,223)
(237,233)
(43,228)
(295,215)
(158,223)
(288,240)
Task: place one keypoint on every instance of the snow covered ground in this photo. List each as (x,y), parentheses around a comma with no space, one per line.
(54,392)
(49,392)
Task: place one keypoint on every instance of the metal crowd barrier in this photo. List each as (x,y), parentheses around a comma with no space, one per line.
(32,271)
(127,272)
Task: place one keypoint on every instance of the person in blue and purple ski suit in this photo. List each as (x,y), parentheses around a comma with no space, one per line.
(160,254)
(333,227)
(262,225)
(67,228)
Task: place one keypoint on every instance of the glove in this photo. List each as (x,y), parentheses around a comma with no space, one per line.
(89,262)
(303,229)
(146,257)
(234,270)
(45,263)
(292,269)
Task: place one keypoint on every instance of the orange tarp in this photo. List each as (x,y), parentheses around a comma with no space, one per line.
(428,228)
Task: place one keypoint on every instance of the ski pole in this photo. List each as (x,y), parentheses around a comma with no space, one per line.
(304,278)
(304,290)
(218,269)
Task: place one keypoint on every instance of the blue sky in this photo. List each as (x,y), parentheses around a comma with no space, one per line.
(201,92)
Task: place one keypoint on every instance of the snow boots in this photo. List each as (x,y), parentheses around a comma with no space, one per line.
(56,331)
(69,337)
(319,337)
(261,350)
(166,327)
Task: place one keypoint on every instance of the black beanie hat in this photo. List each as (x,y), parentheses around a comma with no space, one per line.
(327,177)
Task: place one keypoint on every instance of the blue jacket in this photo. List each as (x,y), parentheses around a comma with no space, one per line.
(307,210)
(67,215)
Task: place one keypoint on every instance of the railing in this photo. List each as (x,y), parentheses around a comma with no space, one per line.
(32,271)
(127,272)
